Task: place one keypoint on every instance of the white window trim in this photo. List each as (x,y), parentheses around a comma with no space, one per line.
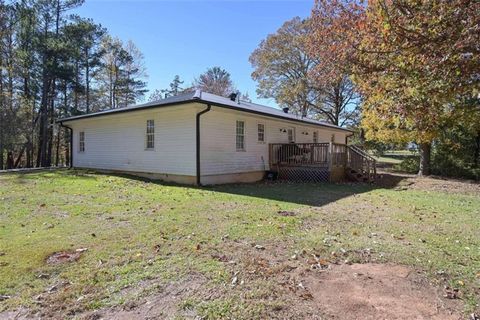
(293,134)
(315,136)
(146,135)
(264,133)
(244,135)
(80,141)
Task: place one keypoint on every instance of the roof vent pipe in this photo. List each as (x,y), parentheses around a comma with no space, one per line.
(197,94)
(285,109)
(238,97)
(233,96)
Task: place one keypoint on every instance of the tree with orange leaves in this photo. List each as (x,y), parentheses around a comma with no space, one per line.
(416,63)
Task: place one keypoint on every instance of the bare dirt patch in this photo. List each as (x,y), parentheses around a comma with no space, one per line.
(64,256)
(377,291)
(400,181)
(308,288)
(446,185)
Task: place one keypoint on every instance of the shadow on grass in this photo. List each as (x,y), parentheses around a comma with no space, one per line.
(311,194)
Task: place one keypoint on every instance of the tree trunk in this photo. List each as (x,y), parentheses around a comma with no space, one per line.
(75,90)
(476,155)
(1,154)
(87,81)
(29,154)
(425,154)
(2,108)
(67,150)
(57,149)
(51,123)
(43,134)
(10,160)
(1,144)
(19,158)
(31,136)
(43,130)
(10,63)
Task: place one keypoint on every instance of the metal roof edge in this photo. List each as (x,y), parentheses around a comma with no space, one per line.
(226,106)
(197,99)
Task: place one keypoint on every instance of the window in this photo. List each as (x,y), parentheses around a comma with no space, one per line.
(150,137)
(291,134)
(81,141)
(315,136)
(240,135)
(261,132)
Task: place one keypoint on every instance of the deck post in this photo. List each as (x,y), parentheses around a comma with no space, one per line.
(270,154)
(330,159)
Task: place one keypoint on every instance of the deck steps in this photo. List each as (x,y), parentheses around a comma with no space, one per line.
(360,167)
(356,176)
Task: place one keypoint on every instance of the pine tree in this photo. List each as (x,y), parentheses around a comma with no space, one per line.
(215,80)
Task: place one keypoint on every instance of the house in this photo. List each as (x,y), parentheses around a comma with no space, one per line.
(201,138)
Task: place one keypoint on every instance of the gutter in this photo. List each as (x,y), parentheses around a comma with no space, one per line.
(348,136)
(198,150)
(70,165)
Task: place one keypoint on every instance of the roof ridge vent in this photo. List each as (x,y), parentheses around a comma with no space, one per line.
(197,94)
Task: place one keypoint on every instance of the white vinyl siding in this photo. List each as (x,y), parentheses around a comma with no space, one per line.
(81,141)
(218,149)
(240,135)
(116,142)
(150,135)
(261,132)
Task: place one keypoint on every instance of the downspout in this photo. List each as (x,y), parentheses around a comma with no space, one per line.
(348,136)
(209,107)
(70,165)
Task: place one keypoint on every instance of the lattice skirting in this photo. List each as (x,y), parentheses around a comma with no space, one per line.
(303,174)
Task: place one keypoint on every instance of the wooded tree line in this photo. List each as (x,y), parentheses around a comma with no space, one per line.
(402,70)
(55,64)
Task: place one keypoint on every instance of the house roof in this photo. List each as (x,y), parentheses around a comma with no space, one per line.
(214,100)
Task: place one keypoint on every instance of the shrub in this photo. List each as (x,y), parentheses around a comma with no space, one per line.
(409,165)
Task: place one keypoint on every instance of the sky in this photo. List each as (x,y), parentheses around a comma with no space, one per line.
(187,37)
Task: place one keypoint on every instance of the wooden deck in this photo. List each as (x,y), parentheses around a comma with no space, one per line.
(316,162)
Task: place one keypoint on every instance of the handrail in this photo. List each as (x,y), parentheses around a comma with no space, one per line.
(362,152)
(362,162)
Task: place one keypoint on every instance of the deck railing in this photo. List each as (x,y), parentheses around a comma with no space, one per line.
(307,154)
(299,154)
(326,157)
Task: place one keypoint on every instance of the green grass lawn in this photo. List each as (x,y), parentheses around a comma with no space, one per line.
(394,157)
(140,232)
